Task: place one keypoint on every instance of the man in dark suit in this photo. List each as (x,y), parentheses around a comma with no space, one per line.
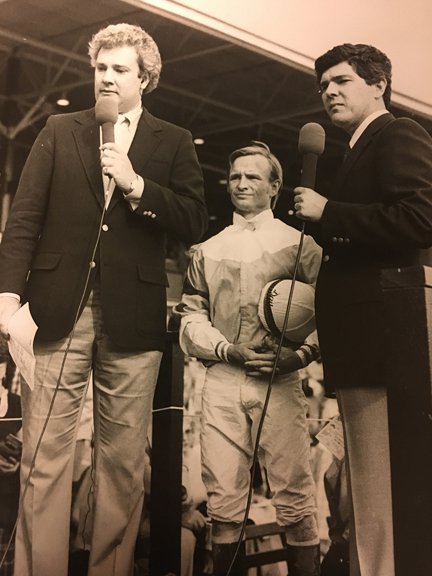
(87,252)
(378,215)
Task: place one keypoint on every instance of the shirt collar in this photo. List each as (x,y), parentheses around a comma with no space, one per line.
(252,223)
(132,115)
(360,129)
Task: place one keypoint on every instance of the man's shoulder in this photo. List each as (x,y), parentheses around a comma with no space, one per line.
(284,228)
(214,240)
(159,123)
(72,118)
(288,235)
(217,247)
(404,124)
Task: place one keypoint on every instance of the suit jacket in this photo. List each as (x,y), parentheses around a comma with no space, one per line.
(52,230)
(379,215)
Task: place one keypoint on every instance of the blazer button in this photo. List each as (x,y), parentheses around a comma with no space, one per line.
(334,239)
(340,240)
(92,264)
(326,258)
(105,227)
(153,215)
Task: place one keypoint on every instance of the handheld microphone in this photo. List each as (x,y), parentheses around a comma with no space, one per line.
(311,146)
(106,113)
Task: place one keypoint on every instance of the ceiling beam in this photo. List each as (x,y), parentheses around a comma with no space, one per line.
(213,102)
(25,41)
(199,54)
(38,58)
(260,119)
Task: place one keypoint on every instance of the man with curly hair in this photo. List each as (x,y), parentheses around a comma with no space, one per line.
(85,247)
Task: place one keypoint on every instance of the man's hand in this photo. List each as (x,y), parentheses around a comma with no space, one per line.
(8,466)
(288,361)
(116,164)
(240,354)
(308,204)
(8,307)
(194,520)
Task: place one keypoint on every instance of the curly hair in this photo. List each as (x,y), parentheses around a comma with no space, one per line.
(367,61)
(117,35)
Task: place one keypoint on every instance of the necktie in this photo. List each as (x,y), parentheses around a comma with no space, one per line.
(122,137)
(121,132)
(346,152)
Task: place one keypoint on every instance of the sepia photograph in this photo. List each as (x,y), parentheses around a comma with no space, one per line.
(215,288)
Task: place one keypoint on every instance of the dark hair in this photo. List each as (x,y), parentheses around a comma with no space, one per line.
(367,61)
(117,35)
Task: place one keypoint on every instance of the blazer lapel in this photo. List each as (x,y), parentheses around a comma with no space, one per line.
(359,147)
(147,138)
(87,139)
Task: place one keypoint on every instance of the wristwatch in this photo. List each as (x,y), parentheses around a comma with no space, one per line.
(132,186)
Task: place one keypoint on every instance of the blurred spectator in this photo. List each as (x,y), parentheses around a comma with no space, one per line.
(336,561)
(194,511)
(10,454)
(193,521)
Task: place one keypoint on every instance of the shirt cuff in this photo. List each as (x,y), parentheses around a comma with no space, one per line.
(307,353)
(11,295)
(135,196)
(221,351)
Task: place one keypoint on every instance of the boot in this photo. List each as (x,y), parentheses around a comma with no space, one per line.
(223,555)
(303,560)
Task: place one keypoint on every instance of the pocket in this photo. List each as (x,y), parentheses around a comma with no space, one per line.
(152,275)
(46,281)
(151,300)
(46,261)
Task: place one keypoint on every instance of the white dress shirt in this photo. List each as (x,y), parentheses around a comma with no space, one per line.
(124,132)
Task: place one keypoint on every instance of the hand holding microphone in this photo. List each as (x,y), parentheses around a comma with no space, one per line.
(114,160)
(308,204)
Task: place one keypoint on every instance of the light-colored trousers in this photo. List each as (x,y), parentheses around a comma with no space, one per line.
(365,421)
(124,384)
(232,404)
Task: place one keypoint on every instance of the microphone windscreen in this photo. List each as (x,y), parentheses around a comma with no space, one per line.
(106,110)
(311,139)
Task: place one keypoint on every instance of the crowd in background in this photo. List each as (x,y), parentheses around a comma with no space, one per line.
(196,555)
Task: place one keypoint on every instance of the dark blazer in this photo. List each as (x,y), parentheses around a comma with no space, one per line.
(52,230)
(379,215)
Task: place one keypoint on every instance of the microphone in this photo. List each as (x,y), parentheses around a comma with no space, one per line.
(311,146)
(106,113)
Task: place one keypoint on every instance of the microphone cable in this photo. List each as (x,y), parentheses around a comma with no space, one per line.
(267,398)
(50,408)
(311,146)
